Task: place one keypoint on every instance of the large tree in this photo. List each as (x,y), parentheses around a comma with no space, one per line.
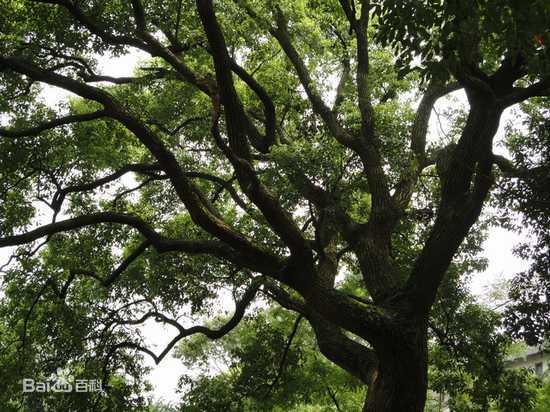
(273,147)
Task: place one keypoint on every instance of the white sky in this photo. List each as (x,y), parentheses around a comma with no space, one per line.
(164,377)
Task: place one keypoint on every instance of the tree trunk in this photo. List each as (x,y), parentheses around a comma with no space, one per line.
(400,383)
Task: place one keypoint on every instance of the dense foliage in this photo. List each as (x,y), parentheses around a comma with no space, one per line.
(527,199)
(279,155)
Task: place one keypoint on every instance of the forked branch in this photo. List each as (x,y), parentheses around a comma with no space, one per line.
(213,334)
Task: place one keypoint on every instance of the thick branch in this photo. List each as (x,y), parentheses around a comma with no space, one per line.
(269,108)
(160,243)
(279,219)
(363,91)
(355,358)
(519,94)
(338,348)
(466,177)
(366,146)
(238,153)
(340,88)
(238,124)
(509,169)
(92,78)
(422,117)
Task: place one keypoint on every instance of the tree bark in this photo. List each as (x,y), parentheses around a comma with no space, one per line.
(400,382)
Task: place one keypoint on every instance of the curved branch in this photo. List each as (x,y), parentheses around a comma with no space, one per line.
(212,334)
(30,311)
(84,187)
(36,130)
(350,355)
(403,191)
(422,117)
(93,78)
(79,222)
(36,73)
(147,181)
(268,265)
(269,108)
(222,183)
(319,106)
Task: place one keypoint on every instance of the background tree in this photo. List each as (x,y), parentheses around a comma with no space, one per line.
(524,200)
(248,172)
(269,363)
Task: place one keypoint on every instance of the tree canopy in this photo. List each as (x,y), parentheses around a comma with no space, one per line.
(280,151)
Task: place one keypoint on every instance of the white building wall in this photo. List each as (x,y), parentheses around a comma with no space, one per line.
(534,358)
